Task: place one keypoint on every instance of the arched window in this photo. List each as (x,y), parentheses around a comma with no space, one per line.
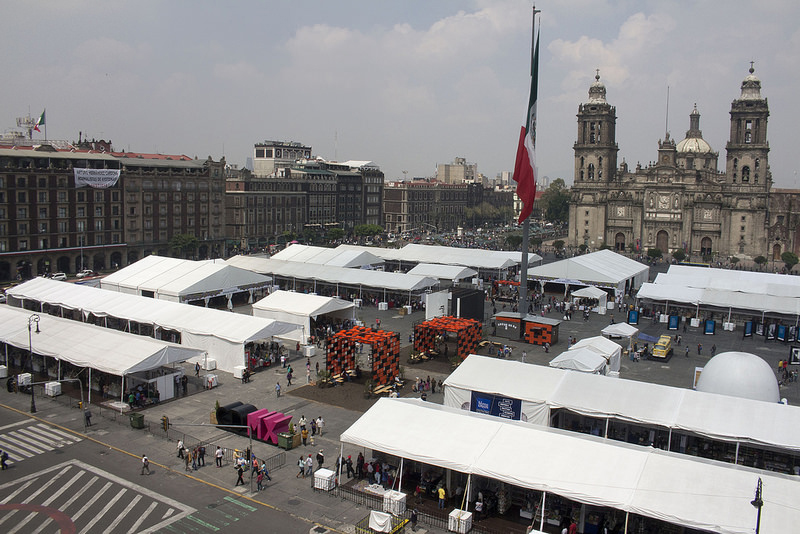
(745,174)
(591,171)
(581,162)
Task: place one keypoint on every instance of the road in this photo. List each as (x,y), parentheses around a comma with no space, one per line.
(58,480)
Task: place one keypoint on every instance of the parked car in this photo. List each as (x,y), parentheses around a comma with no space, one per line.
(59,276)
(663,347)
(85,273)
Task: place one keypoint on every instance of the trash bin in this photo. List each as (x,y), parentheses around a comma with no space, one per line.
(285,440)
(137,420)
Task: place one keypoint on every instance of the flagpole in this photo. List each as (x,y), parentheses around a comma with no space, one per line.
(523,275)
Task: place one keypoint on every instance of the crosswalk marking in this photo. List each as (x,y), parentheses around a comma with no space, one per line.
(142,517)
(23,443)
(104,511)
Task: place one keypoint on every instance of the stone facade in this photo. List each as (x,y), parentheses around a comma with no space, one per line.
(682,200)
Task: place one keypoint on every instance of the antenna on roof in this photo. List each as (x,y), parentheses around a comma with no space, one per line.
(666,117)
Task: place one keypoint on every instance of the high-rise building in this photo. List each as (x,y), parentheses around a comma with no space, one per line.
(458,172)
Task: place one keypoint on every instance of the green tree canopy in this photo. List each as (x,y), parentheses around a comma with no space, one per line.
(789,259)
(679,255)
(513,241)
(367,230)
(183,244)
(654,253)
(555,202)
(558,244)
(760,261)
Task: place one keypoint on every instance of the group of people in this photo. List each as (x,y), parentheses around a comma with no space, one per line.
(306,464)
(193,458)
(140,396)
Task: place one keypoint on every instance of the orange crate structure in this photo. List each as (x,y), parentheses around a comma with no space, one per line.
(468,334)
(340,353)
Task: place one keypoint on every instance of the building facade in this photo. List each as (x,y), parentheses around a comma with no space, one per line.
(424,205)
(458,172)
(48,224)
(682,200)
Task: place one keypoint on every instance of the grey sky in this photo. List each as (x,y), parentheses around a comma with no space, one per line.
(405,84)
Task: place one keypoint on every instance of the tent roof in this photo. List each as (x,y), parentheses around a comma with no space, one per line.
(327,256)
(724,288)
(468,257)
(619,329)
(566,463)
(443,272)
(599,344)
(581,359)
(603,267)
(183,278)
(335,275)
(302,303)
(716,416)
(86,345)
(591,292)
(233,327)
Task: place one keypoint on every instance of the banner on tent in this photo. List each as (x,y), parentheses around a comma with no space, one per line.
(496,405)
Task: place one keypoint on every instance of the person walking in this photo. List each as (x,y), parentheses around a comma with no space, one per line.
(194,454)
(304,435)
(188,460)
(687,352)
(301,464)
(259,481)
(201,456)
(289,377)
(320,425)
(442,494)
(414,517)
(349,464)
(239,472)
(88,415)
(180,448)
(218,456)
(309,466)
(699,348)
(278,389)
(320,458)
(713,350)
(145,464)
(197,369)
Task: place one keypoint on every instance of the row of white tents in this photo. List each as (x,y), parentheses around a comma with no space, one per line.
(671,487)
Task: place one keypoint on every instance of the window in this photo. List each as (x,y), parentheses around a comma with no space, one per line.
(81,196)
(22,213)
(162,197)
(23,244)
(42,182)
(98,196)
(62,212)
(115,196)
(745,174)
(98,225)
(81,226)
(744,218)
(42,196)
(780,219)
(22,196)
(42,213)
(748,133)
(22,228)
(98,211)
(98,239)
(114,210)
(591,171)
(81,211)
(62,196)
(62,227)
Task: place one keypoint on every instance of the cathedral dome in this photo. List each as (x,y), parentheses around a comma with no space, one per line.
(739,374)
(597,91)
(751,86)
(694,142)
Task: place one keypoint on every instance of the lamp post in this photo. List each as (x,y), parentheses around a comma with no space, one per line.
(758,502)
(32,319)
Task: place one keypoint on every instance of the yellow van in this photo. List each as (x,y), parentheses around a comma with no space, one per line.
(663,347)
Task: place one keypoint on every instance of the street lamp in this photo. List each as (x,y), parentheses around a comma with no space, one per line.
(758,502)
(32,319)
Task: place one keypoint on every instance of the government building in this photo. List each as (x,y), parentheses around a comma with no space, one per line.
(682,200)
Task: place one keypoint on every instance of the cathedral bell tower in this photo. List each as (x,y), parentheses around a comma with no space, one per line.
(748,149)
(596,148)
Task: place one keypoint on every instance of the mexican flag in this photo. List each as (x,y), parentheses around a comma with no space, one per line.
(525,165)
(39,122)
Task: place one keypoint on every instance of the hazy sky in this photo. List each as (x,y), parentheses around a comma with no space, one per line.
(406,84)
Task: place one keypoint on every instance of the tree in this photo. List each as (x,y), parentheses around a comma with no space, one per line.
(334,234)
(734,260)
(679,255)
(582,247)
(558,245)
(183,244)
(654,253)
(760,261)
(513,241)
(367,230)
(555,202)
(789,259)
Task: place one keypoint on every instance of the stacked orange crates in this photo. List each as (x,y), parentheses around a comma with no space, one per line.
(385,345)
(468,334)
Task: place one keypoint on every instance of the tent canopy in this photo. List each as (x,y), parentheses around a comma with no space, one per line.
(86,345)
(590,292)
(335,275)
(222,333)
(718,417)
(453,273)
(582,359)
(468,257)
(300,308)
(619,330)
(182,280)
(328,256)
(603,268)
(566,463)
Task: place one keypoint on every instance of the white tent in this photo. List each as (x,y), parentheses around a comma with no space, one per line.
(86,345)
(670,487)
(451,273)
(328,256)
(603,268)
(609,350)
(221,333)
(542,389)
(180,280)
(727,289)
(583,359)
(592,292)
(300,308)
(621,330)
(354,278)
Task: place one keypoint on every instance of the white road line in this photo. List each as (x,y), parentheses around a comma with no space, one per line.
(48,432)
(125,512)
(78,494)
(20,490)
(32,498)
(60,432)
(28,443)
(90,502)
(57,444)
(142,517)
(15,452)
(103,512)
(12,425)
(55,496)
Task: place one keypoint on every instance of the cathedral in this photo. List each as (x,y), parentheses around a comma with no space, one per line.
(682,200)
